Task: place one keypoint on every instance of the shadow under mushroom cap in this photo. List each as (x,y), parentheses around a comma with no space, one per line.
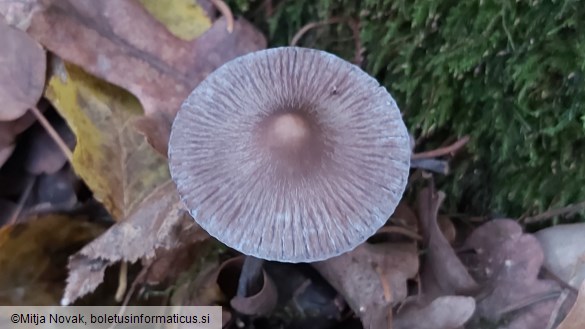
(290,154)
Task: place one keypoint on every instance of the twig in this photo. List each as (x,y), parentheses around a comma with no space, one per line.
(23,198)
(312,25)
(122,282)
(552,321)
(139,279)
(442,151)
(564,211)
(54,135)
(387,290)
(225,10)
(530,300)
(353,25)
(434,165)
(400,230)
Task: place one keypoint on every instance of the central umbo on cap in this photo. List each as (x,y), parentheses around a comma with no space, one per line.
(290,154)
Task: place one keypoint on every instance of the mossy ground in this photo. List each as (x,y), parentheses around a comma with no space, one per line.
(510,74)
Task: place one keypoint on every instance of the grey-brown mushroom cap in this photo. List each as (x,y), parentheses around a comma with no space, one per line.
(290,154)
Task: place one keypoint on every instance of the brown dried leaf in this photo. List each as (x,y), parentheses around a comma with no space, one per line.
(372,278)
(576,317)
(19,13)
(130,48)
(447,312)
(157,129)
(564,252)
(160,222)
(33,257)
(443,273)
(405,216)
(22,72)
(508,262)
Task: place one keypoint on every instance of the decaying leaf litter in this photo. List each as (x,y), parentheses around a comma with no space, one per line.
(89,97)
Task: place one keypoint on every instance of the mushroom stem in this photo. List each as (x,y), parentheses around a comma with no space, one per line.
(251,277)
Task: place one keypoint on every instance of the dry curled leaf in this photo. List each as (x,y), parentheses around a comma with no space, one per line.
(22,72)
(446,312)
(159,222)
(576,317)
(19,13)
(443,272)
(564,252)
(507,264)
(372,278)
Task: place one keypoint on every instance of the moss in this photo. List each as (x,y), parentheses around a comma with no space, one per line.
(510,74)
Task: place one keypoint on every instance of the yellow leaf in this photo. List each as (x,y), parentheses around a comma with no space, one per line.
(183,18)
(33,257)
(113,159)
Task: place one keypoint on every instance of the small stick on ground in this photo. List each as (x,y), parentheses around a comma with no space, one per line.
(353,25)
(400,230)
(433,165)
(442,151)
(564,211)
(21,201)
(139,279)
(54,135)
(310,26)
(122,282)
(225,10)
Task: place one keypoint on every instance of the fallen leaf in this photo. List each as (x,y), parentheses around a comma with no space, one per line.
(447,312)
(576,317)
(168,264)
(443,273)
(130,48)
(19,13)
(185,19)
(447,228)
(157,129)
(372,278)
(507,265)
(159,222)
(404,215)
(33,257)
(564,252)
(22,73)
(113,159)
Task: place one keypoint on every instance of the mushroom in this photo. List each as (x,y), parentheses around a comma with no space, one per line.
(290,154)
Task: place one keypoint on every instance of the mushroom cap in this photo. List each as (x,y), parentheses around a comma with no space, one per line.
(290,154)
